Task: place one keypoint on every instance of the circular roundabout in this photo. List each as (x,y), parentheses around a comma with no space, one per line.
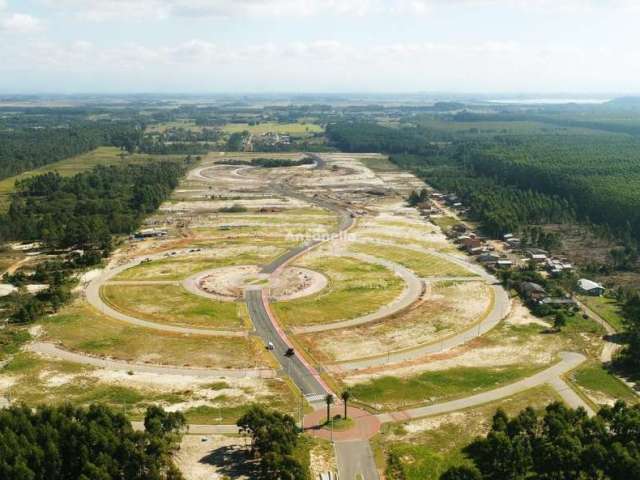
(229,283)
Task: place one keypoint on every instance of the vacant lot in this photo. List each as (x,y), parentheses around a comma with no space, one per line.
(180,267)
(174,305)
(600,386)
(450,308)
(393,393)
(36,380)
(81,328)
(422,264)
(355,289)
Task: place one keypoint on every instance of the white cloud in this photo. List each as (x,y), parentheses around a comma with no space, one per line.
(19,23)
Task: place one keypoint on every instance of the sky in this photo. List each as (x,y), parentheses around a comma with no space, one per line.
(309,46)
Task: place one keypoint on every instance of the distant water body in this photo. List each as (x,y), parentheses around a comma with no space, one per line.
(550,101)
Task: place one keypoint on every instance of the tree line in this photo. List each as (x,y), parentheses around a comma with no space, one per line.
(84,210)
(28,148)
(562,444)
(94,443)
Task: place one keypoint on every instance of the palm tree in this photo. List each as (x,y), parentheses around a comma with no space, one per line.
(345,398)
(329,401)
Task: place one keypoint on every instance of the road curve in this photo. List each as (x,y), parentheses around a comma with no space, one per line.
(92,293)
(414,288)
(52,350)
(569,361)
(501,307)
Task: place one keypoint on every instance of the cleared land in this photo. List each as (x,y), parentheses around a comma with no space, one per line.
(355,288)
(174,305)
(608,308)
(179,268)
(450,308)
(35,380)
(80,328)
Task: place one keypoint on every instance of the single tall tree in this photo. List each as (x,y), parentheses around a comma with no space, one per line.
(329,401)
(345,395)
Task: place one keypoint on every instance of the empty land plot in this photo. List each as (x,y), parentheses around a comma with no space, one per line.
(422,264)
(355,289)
(174,305)
(393,393)
(294,129)
(80,328)
(451,308)
(434,241)
(179,268)
(424,449)
(37,380)
(507,344)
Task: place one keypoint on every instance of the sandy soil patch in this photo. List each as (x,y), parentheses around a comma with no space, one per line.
(297,282)
(229,283)
(210,457)
(448,310)
(6,289)
(520,315)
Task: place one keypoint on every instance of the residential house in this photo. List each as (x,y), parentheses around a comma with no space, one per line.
(590,287)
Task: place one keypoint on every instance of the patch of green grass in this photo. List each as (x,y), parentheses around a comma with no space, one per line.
(388,393)
(12,339)
(355,288)
(379,164)
(179,268)
(172,304)
(608,308)
(593,376)
(422,264)
(444,222)
(80,327)
(294,129)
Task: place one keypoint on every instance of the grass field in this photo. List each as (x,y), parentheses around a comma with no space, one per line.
(79,327)
(425,449)
(355,289)
(445,222)
(607,308)
(74,165)
(594,377)
(293,129)
(392,393)
(35,380)
(450,308)
(379,164)
(422,264)
(173,305)
(179,268)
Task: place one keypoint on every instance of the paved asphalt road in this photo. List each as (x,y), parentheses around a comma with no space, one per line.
(355,460)
(293,366)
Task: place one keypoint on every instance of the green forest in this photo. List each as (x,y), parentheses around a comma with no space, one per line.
(59,443)
(84,210)
(27,148)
